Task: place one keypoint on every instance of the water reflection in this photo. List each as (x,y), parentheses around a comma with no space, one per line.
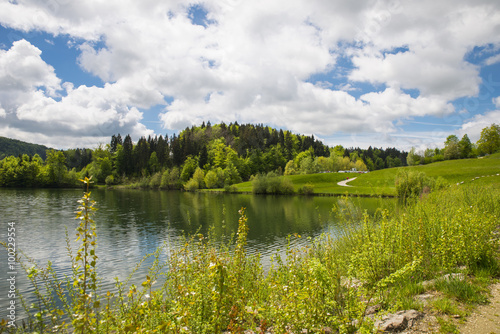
(133,223)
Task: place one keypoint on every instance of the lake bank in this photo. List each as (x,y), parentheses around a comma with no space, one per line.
(385,260)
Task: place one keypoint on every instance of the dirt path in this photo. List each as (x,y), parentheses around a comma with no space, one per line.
(486,318)
(344,183)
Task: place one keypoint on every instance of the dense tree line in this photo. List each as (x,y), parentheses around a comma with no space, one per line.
(33,171)
(206,156)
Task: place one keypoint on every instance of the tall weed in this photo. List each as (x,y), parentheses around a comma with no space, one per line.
(205,287)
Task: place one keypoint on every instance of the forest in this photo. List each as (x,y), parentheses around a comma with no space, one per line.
(10,147)
(205,156)
(216,156)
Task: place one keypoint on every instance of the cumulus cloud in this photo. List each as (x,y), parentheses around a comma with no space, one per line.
(31,102)
(474,126)
(23,71)
(250,61)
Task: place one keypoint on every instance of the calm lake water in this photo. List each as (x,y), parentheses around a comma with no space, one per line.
(133,223)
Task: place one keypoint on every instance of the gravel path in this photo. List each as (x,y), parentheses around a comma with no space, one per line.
(486,318)
(344,183)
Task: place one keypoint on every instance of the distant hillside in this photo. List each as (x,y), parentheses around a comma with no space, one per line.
(15,147)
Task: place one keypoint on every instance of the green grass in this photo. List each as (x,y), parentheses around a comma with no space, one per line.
(453,171)
(205,287)
(462,290)
(326,183)
(381,182)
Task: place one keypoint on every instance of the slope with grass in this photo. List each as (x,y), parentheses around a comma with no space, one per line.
(481,171)
(324,183)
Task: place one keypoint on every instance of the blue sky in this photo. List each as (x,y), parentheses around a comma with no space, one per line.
(364,73)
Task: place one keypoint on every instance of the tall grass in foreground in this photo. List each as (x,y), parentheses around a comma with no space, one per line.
(328,285)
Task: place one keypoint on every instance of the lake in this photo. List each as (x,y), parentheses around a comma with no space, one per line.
(133,223)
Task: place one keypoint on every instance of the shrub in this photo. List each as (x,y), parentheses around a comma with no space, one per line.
(411,184)
(230,188)
(307,189)
(259,184)
(211,179)
(211,287)
(170,179)
(192,185)
(155,181)
(199,176)
(110,180)
(286,185)
(272,183)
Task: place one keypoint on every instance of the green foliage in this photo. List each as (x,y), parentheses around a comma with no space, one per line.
(272,183)
(214,288)
(466,147)
(411,184)
(170,179)
(56,169)
(192,185)
(84,268)
(461,290)
(446,306)
(412,159)
(13,147)
(451,148)
(307,189)
(188,169)
(199,177)
(110,180)
(447,326)
(237,151)
(155,181)
(489,142)
(231,174)
(211,180)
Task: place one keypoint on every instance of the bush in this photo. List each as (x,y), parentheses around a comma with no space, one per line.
(211,287)
(272,183)
(170,179)
(155,180)
(110,180)
(411,184)
(192,185)
(307,189)
(230,188)
(286,186)
(211,179)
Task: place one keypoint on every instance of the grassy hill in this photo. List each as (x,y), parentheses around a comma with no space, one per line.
(480,171)
(485,169)
(15,147)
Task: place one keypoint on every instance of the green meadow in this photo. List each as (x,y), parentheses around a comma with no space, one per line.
(481,171)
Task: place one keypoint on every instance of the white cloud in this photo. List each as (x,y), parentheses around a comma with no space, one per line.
(23,71)
(474,126)
(31,102)
(493,60)
(496,100)
(419,70)
(393,104)
(250,63)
